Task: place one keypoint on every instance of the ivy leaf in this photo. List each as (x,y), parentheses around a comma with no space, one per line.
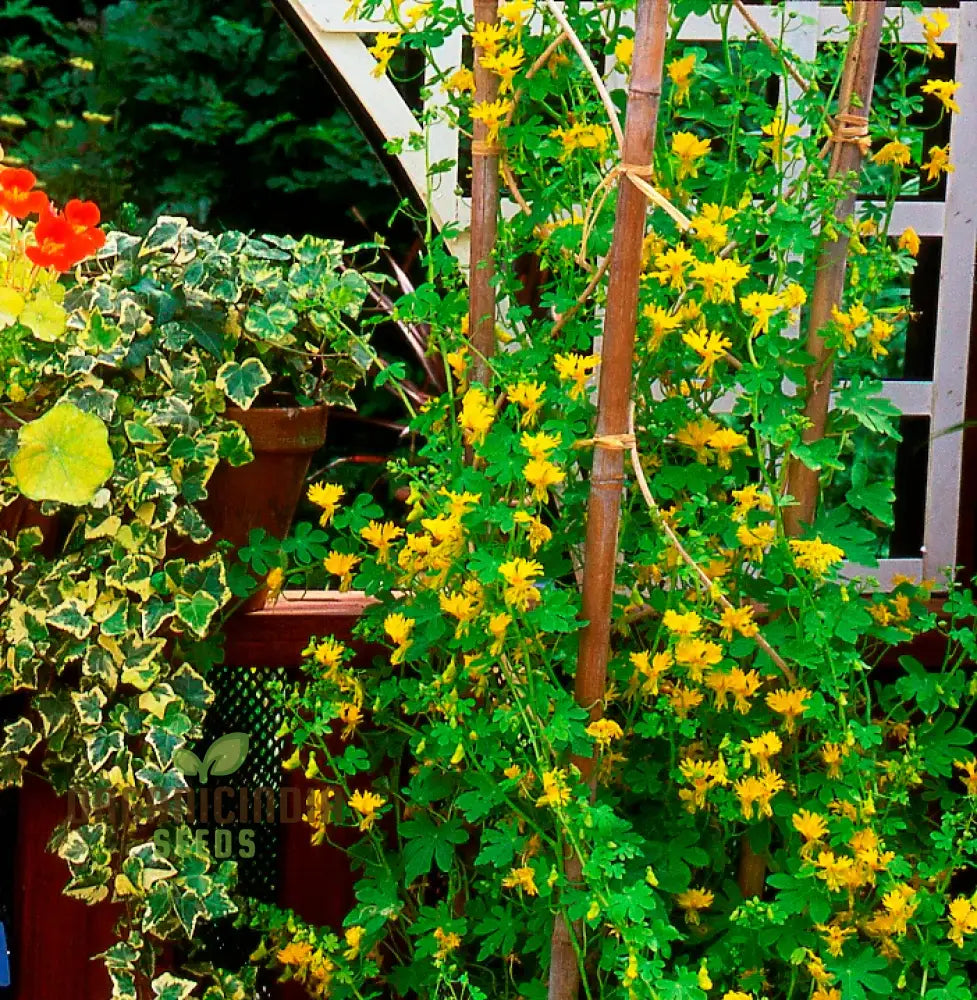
(165,235)
(63,456)
(197,610)
(169,987)
(241,382)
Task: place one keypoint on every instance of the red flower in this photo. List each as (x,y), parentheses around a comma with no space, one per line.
(64,240)
(16,194)
(83,217)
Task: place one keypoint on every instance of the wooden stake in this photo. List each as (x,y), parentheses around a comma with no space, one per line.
(854,106)
(485,213)
(613,419)
(855,103)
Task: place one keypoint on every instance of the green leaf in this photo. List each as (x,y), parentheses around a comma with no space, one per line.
(63,456)
(196,611)
(169,987)
(188,762)
(859,976)
(241,382)
(165,235)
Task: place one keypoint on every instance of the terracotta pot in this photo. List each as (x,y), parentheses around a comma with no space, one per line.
(24,513)
(266,492)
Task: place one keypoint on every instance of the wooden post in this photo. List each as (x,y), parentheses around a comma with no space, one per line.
(485,213)
(855,103)
(613,421)
(854,107)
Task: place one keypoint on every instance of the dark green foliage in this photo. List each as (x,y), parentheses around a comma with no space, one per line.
(213,111)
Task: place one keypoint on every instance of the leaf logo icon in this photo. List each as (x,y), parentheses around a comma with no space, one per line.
(225,756)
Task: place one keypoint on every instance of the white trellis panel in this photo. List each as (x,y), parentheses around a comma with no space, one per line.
(942,399)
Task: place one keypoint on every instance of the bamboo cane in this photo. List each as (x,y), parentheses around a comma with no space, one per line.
(485,213)
(855,102)
(613,420)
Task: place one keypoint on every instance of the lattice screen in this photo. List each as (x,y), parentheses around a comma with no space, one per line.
(939,399)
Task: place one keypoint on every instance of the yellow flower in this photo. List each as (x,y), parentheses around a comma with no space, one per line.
(341,564)
(504,65)
(814,555)
(461,607)
(381,535)
(779,132)
(515,11)
(415,13)
(326,496)
(489,38)
(491,114)
(761,306)
(835,937)
(541,475)
(662,322)
(476,416)
(696,436)
(686,624)
(460,81)
(748,498)
(879,333)
(943,90)
(351,716)
(938,163)
(555,791)
(523,878)
(811,826)
(624,51)
(724,442)
(763,747)
(719,278)
(709,345)
(274,581)
(710,228)
(684,699)
(85,65)
(680,73)
(604,732)
(703,776)
(969,768)
(671,266)
(696,655)
(582,136)
(755,539)
(95,118)
(497,628)
(366,804)
(575,368)
(739,620)
(447,943)
(909,241)
(329,653)
(398,627)
(933,26)
(540,445)
(702,977)
(688,149)
(693,900)
(382,50)
(757,793)
(894,152)
(650,670)
(962,915)
(539,533)
(354,938)
(519,575)
(528,396)
(295,953)
(790,704)
(737,995)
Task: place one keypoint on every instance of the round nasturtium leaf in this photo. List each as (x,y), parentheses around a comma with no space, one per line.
(63,456)
(45,319)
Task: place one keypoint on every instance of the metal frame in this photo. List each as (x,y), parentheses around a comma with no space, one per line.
(941,399)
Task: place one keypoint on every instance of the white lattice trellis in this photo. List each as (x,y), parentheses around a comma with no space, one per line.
(940,400)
